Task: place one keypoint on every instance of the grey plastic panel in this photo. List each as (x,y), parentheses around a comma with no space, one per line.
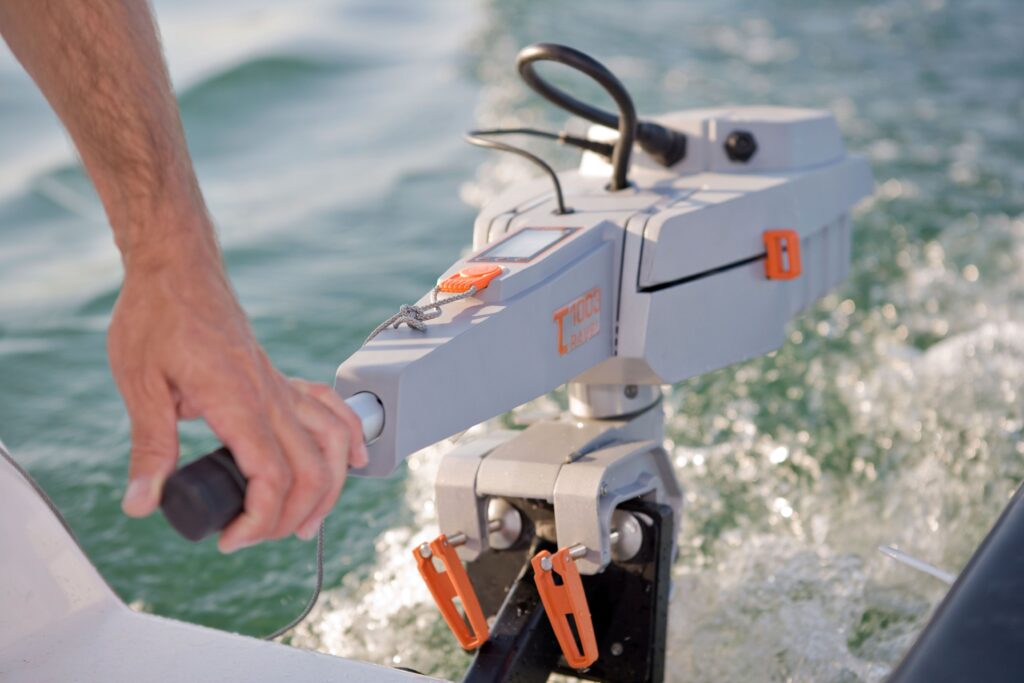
(588,491)
(725,223)
(476,360)
(737,314)
(787,138)
(459,509)
(528,466)
(584,467)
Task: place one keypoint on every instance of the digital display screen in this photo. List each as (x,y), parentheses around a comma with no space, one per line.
(524,245)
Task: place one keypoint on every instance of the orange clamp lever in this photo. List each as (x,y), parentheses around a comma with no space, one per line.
(779,264)
(561,601)
(449,584)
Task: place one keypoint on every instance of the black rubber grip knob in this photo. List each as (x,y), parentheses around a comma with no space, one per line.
(204,496)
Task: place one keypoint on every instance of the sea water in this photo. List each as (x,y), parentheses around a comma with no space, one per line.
(326,136)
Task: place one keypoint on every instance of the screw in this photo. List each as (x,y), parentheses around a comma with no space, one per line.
(604,490)
(740,146)
(632,390)
(425,551)
(616,649)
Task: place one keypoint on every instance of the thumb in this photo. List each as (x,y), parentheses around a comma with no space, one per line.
(154,449)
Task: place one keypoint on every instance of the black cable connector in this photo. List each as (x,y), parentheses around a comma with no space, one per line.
(605,149)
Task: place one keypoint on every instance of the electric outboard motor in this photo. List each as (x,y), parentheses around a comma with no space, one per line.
(683,243)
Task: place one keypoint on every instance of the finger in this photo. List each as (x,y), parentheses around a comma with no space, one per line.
(310,476)
(186,408)
(358,456)
(243,428)
(154,451)
(263,499)
(332,436)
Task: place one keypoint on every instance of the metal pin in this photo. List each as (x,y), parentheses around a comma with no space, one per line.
(577,551)
(545,564)
(425,550)
(455,540)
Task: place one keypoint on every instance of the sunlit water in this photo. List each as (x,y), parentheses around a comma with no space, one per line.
(327,138)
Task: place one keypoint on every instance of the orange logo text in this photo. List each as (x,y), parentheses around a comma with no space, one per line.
(578,321)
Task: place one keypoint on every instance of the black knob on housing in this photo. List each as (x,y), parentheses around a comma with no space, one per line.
(740,146)
(204,496)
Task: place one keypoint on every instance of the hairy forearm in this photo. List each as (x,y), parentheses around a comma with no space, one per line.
(100,66)
(180,346)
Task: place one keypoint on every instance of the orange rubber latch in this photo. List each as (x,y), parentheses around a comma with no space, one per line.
(782,261)
(477,274)
(561,601)
(449,584)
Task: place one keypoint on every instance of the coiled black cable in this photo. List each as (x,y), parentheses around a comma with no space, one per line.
(664,145)
(625,122)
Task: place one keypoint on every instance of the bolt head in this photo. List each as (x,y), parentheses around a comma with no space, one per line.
(631,390)
(740,146)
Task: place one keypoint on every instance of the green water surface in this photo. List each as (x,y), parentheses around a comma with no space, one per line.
(327,139)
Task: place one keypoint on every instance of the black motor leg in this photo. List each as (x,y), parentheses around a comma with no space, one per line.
(522,647)
(628,604)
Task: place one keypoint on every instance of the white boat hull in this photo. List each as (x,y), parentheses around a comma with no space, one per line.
(61,623)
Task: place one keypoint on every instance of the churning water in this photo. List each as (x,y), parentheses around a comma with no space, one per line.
(327,138)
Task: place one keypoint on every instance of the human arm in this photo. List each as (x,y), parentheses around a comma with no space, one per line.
(179,343)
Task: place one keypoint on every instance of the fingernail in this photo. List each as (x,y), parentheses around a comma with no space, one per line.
(138,496)
(244,532)
(308,530)
(234,545)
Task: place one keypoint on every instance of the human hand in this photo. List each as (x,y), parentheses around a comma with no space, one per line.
(181,348)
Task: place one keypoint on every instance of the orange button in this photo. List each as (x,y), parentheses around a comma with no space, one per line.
(477,274)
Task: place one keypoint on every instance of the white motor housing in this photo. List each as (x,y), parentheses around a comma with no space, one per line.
(653,284)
